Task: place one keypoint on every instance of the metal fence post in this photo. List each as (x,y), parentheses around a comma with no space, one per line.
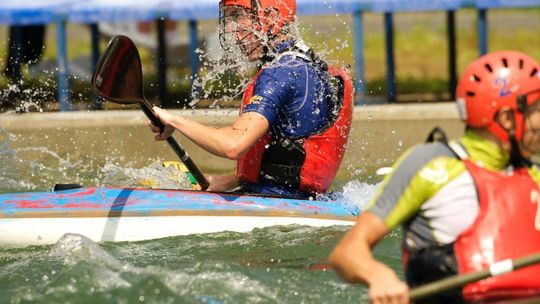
(390,63)
(359,62)
(62,73)
(162,63)
(482,32)
(193,45)
(97,104)
(452,53)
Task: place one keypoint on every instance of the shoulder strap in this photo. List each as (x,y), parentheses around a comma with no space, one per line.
(458,150)
(438,135)
(293,53)
(301,50)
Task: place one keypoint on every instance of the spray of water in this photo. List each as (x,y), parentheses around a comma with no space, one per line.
(153,176)
(9,178)
(354,196)
(39,168)
(222,77)
(34,168)
(29,94)
(225,74)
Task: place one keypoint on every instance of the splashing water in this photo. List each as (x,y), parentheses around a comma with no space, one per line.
(39,168)
(355,195)
(225,74)
(8,176)
(75,248)
(153,176)
(25,96)
(271,265)
(222,77)
(34,168)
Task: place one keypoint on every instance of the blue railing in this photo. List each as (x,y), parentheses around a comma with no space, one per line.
(59,12)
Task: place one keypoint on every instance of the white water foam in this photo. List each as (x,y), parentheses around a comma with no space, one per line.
(106,271)
(354,196)
(153,176)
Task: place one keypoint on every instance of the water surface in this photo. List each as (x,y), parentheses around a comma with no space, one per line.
(280,264)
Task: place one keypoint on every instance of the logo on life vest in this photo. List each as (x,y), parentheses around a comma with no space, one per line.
(255,99)
(436,174)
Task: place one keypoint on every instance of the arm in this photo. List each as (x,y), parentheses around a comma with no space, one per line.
(415,178)
(228,142)
(354,262)
(222,183)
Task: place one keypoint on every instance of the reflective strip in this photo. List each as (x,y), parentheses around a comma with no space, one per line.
(459,150)
(501,267)
(292,53)
(185,157)
(462,108)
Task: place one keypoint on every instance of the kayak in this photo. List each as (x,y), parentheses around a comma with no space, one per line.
(134,214)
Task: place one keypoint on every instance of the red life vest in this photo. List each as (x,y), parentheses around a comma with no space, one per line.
(507,227)
(321,155)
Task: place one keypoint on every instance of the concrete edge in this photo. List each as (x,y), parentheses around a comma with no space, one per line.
(88,119)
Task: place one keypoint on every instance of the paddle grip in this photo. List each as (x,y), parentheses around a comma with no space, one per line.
(152,116)
(178,149)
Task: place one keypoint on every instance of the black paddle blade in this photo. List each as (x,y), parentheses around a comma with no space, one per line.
(118,75)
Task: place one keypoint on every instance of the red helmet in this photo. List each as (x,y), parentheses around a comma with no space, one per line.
(286,10)
(506,78)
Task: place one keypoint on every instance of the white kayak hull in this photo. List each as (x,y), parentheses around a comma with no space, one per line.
(116,214)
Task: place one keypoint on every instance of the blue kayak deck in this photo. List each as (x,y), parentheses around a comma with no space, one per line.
(126,202)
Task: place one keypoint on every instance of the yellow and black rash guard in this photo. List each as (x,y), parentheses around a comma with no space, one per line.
(431,192)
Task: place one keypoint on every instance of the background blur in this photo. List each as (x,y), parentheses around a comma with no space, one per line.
(421,54)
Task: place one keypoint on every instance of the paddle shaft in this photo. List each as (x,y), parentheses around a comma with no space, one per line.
(461,280)
(177,148)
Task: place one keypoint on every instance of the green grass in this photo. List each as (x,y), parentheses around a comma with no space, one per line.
(421,49)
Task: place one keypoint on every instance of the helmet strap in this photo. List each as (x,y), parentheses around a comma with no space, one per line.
(516,159)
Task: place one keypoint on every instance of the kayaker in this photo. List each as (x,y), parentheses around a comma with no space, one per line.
(291,134)
(462,204)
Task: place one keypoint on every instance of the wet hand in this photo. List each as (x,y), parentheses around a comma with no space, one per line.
(166,119)
(386,288)
(220,183)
